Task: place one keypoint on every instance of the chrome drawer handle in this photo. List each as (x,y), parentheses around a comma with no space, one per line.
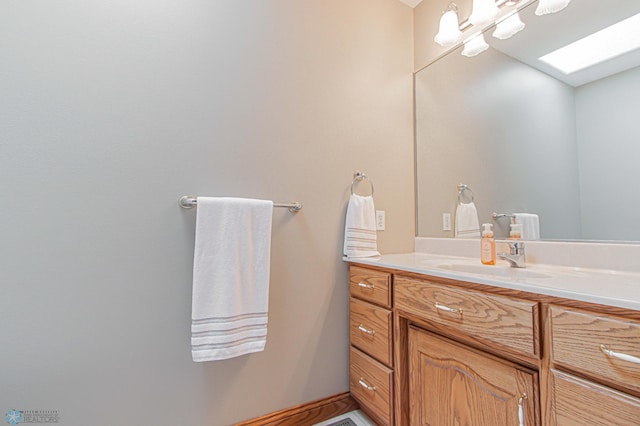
(365,285)
(521,409)
(366,385)
(608,352)
(366,330)
(448,309)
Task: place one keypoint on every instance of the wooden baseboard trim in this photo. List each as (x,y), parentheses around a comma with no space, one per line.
(307,414)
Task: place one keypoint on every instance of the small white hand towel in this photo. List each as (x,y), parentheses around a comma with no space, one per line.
(467,225)
(230,277)
(530,225)
(360,238)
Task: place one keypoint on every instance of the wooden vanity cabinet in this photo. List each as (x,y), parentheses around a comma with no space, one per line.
(436,351)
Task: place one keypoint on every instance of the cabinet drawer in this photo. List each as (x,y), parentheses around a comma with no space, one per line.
(372,286)
(480,317)
(581,403)
(370,329)
(576,339)
(371,385)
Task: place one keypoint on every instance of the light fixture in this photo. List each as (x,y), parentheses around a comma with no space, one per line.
(484,12)
(475,46)
(449,32)
(508,27)
(551,6)
(607,43)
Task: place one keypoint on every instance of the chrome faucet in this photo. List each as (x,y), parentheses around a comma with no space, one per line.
(516,255)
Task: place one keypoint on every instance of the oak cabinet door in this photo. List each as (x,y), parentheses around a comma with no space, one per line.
(450,384)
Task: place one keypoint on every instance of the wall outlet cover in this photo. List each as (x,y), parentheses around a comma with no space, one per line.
(380,220)
(446,221)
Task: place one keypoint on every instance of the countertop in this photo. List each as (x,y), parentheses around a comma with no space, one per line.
(606,287)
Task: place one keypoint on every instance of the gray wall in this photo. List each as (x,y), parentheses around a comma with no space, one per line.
(493,113)
(608,156)
(110,111)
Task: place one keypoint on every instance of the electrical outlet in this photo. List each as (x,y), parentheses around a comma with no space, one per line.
(446,221)
(380,220)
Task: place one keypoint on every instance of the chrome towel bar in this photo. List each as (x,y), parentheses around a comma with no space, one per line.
(499,215)
(190,201)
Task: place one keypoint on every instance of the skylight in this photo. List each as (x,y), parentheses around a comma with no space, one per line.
(600,46)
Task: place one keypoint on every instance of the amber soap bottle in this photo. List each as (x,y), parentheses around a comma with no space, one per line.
(487,245)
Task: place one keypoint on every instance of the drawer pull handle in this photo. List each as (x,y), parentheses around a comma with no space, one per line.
(366,385)
(365,285)
(366,330)
(608,352)
(448,309)
(521,409)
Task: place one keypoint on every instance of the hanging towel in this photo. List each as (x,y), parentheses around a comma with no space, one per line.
(360,238)
(467,225)
(230,277)
(530,225)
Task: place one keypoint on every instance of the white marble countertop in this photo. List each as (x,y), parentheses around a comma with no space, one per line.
(607,287)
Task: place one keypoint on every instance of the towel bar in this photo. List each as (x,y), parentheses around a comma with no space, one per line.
(189,202)
(495,216)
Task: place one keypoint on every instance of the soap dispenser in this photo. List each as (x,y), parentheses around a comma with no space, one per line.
(516,231)
(487,245)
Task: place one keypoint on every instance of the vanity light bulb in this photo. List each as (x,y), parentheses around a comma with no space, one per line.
(551,6)
(475,46)
(509,27)
(449,33)
(484,12)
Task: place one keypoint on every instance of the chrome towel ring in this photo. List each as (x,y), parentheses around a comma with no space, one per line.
(358,176)
(461,188)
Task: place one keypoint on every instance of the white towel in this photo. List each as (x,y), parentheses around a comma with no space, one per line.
(360,238)
(230,277)
(467,225)
(530,225)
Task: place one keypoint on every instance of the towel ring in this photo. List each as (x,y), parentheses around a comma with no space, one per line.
(357,177)
(461,188)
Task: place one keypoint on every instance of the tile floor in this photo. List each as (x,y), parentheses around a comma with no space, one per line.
(357,416)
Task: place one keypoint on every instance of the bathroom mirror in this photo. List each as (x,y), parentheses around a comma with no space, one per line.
(525,141)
